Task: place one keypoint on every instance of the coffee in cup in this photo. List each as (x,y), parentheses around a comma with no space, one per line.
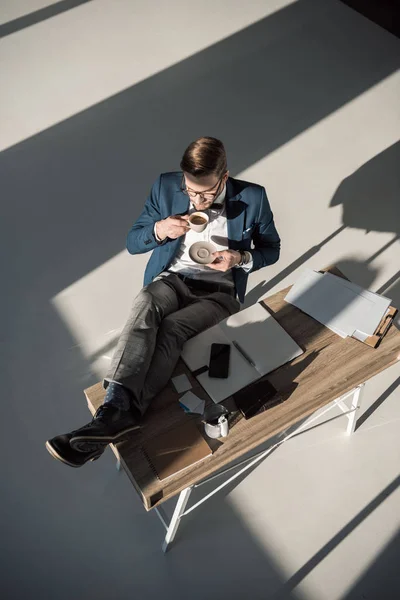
(198,221)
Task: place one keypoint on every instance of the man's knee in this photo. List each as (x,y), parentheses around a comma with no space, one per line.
(145,298)
(157,290)
(146,307)
(156,299)
(175,329)
(153,293)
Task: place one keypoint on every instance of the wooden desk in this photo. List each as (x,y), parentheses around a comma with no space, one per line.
(329,369)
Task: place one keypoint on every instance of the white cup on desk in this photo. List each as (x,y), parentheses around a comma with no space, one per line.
(216,422)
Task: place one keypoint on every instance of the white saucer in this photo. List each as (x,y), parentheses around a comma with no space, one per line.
(200,252)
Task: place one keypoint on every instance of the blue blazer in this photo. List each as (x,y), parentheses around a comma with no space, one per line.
(249,218)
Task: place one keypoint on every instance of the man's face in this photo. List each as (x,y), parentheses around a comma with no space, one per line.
(209,184)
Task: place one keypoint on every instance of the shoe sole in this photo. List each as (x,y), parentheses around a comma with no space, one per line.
(118,437)
(57,456)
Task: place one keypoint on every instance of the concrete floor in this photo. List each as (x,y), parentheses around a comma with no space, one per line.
(96,99)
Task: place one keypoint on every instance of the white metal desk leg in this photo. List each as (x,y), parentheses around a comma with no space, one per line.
(176,517)
(355,405)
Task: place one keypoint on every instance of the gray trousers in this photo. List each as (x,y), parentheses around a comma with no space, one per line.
(164,315)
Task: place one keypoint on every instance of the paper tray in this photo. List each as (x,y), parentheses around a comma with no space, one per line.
(382,329)
(373,340)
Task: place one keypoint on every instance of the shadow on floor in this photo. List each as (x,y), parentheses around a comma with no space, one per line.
(370,196)
(381,579)
(69,196)
(369,200)
(337,539)
(38,16)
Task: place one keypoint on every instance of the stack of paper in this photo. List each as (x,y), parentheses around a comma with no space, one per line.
(189,401)
(342,306)
(181,383)
(192,403)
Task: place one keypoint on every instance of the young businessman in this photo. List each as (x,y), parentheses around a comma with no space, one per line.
(180,298)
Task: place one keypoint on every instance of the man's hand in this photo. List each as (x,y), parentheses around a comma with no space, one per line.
(172,227)
(225,260)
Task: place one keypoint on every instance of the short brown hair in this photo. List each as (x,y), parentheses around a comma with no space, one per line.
(204,156)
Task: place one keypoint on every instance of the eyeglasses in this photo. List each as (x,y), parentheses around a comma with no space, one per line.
(206,195)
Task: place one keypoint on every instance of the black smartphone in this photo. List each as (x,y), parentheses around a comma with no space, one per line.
(255,396)
(219,360)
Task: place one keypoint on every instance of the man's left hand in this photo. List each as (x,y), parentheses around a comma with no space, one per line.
(225,260)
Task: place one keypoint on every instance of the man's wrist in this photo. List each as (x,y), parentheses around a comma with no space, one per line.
(156,234)
(245,257)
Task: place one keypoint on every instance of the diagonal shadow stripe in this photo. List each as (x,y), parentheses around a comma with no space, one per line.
(337,539)
(85,179)
(69,195)
(361,420)
(388,283)
(38,16)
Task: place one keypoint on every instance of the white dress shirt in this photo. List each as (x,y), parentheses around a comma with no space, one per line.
(216,232)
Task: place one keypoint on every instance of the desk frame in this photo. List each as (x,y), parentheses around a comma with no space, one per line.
(183,498)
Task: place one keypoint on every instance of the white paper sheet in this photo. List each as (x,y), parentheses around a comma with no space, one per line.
(338,304)
(181,383)
(192,403)
(299,295)
(369,321)
(262,338)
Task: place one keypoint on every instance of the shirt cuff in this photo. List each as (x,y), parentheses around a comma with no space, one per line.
(158,240)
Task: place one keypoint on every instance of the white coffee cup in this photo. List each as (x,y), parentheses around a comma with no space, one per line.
(202,218)
(215,419)
(218,430)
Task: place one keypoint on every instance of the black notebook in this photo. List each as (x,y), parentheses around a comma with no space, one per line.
(251,399)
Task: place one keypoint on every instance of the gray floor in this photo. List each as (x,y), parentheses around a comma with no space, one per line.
(96,99)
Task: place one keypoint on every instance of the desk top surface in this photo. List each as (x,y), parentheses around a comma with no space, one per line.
(329,367)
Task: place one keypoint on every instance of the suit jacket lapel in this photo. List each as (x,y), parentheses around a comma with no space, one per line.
(235,212)
(180,206)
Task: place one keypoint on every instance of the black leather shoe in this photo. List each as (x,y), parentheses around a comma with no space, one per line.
(109,426)
(60,449)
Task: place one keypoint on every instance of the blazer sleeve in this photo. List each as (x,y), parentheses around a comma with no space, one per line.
(265,237)
(141,236)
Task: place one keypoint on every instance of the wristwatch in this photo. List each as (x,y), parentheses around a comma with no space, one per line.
(243,258)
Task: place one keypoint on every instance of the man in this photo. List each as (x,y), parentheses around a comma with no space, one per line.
(180,298)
